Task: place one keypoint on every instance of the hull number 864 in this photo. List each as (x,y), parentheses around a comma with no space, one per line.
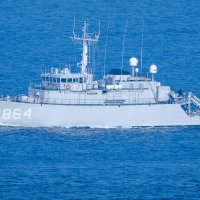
(15,113)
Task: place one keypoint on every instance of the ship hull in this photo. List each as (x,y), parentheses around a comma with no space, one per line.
(47,115)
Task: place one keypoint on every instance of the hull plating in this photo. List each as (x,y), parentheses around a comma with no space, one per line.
(36,115)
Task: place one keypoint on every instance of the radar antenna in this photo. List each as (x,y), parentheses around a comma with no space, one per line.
(85,41)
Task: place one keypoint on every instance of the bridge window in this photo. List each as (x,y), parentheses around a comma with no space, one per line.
(76,80)
(47,79)
(69,80)
(63,80)
(81,80)
(56,80)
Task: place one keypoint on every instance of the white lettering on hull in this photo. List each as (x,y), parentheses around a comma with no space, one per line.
(15,114)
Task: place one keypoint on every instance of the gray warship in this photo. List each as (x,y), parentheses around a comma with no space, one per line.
(119,99)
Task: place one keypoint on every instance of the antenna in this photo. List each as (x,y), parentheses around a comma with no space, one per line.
(123,47)
(86,40)
(99,28)
(93,60)
(141,50)
(104,66)
(74,26)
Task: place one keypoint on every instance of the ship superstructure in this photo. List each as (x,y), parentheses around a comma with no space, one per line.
(120,98)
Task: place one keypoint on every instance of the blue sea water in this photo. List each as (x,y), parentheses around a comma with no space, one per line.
(86,163)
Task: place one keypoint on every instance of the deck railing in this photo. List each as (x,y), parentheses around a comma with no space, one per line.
(108,101)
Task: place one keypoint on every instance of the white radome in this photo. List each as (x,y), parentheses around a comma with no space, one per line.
(136,70)
(153,69)
(133,62)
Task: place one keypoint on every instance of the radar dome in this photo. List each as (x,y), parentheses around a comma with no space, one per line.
(153,69)
(133,62)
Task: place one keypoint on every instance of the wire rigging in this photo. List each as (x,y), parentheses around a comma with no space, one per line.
(141,51)
(122,64)
(105,54)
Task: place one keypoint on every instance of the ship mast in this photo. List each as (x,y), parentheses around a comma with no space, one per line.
(85,41)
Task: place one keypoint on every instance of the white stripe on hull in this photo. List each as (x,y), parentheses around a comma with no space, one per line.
(94,116)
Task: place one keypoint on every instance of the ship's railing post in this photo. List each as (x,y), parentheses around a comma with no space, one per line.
(189,103)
